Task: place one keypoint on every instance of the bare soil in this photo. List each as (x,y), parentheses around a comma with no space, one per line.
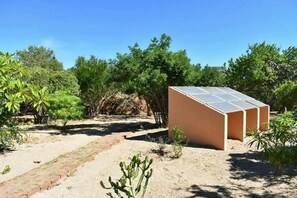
(200,172)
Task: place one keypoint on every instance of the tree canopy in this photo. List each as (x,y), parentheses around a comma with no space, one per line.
(39,57)
(150,71)
(93,80)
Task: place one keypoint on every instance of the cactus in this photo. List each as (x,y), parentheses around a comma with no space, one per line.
(134,180)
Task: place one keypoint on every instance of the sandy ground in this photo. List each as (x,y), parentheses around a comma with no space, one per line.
(43,143)
(29,156)
(200,172)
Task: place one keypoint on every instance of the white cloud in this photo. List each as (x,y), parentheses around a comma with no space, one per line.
(50,43)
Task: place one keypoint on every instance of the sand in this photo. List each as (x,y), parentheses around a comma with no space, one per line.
(200,172)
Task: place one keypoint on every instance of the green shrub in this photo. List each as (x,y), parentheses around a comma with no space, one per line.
(279,144)
(12,93)
(178,141)
(134,180)
(65,107)
(286,95)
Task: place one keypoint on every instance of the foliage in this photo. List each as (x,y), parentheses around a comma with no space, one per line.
(211,76)
(54,80)
(178,139)
(45,70)
(134,180)
(280,142)
(150,71)
(262,70)
(9,135)
(92,76)
(65,106)
(6,170)
(12,93)
(294,112)
(286,95)
(252,73)
(40,102)
(39,57)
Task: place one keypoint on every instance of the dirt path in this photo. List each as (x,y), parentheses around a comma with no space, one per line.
(200,172)
(43,177)
(41,149)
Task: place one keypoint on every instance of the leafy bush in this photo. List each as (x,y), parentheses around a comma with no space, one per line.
(65,106)
(12,93)
(135,178)
(178,141)
(280,142)
(286,95)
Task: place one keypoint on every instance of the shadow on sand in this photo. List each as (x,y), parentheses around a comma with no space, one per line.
(249,166)
(96,129)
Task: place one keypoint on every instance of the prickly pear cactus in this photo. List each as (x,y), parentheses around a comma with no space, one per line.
(134,180)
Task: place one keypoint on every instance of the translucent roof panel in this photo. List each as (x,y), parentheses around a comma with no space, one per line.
(257,103)
(227,97)
(191,90)
(206,98)
(241,96)
(243,104)
(223,99)
(226,89)
(224,107)
(212,90)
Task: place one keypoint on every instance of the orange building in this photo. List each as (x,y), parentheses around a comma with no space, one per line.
(211,115)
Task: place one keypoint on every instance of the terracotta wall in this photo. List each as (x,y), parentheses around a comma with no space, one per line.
(201,124)
(236,126)
(252,119)
(264,117)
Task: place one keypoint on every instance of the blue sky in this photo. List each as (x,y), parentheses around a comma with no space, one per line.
(211,31)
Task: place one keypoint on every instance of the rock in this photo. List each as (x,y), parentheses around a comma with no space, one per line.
(123,104)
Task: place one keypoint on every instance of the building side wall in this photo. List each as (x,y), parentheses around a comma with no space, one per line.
(264,117)
(251,119)
(201,124)
(236,126)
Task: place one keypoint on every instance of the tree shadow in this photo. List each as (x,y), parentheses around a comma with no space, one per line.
(216,191)
(163,134)
(209,191)
(150,136)
(252,166)
(95,129)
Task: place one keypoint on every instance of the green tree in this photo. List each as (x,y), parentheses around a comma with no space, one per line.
(45,70)
(286,95)
(93,80)
(290,65)
(150,71)
(255,73)
(39,57)
(211,76)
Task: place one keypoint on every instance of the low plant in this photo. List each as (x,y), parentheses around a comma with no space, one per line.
(279,143)
(9,136)
(178,141)
(135,178)
(294,112)
(160,147)
(6,170)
